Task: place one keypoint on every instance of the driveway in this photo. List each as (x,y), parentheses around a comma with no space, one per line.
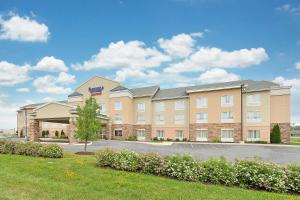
(278,154)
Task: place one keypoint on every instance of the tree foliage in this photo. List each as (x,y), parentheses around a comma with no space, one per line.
(275,136)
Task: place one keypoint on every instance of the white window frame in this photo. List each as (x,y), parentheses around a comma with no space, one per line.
(118,129)
(253,133)
(159,119)
(139,121)
(138,134)
(179,134)
(179,119)
(159,106)
(141,107)
(227,139)
(202,131)
(118,105)
(253,100)
(253,116)
(160,134)
(228,119)
(118,119)
(227,101)
(201,102)
(198,117)
(179,105)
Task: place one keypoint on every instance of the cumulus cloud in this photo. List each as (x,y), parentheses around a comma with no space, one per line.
(24,28)
(179,45)
(54,85)
(51,64)
(211,57)
(132,54)
(25,90)
(288,8)
(11,74)
(217,75)
(297,65)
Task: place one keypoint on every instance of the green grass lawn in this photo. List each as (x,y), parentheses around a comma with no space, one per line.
(295,140)
(76,177)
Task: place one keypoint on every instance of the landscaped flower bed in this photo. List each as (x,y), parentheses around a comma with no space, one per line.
(31,149)
(252,174)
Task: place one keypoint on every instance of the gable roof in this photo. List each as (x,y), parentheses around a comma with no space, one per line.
(118,88)
(171,93)
(35,105)
(58,103)
(75,94)
(144,91)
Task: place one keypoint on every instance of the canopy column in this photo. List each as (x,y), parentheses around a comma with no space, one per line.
(34,130)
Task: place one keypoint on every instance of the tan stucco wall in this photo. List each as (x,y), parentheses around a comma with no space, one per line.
(21,120)
(214,108)
(126,112)
(148,109)
(53,110)
(280,109)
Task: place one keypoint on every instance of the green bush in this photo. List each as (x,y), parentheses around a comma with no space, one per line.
(127,161)
(56,134)
(9,147)
(152,163)
(62,134)
(47,133)
(261,175)
(51,151)
(132,138)
(43,134)
(218,171)
(293,176)
(257,142)
(155,139)
(216,139)
(275,136)
(105,158)
(2,142)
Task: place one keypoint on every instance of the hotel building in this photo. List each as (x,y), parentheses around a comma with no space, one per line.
(229,112)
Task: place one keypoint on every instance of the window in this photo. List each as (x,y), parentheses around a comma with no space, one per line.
(159,107)
(141,107)
(160,134)
(118,119)
(179,119)
(201,117)
(201,135)
(159,119)
(141,134)
(253,116)
(202,102)
(102,108)
(179,105)
(179,135)
(226,117)
(253,100)
(253,135)
(118,132)
(118,105)
(141,119)
(226,101)
(227,135)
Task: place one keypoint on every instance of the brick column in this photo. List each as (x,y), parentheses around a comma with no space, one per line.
(71,130)
(34,130)
(108,129)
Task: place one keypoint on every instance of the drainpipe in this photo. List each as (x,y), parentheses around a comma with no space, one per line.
(26,130)
(242,89)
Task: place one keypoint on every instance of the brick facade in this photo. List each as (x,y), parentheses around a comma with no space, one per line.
(34,130)
(148,129)
(285,131)
(71,128)
(214,130)
(127,130)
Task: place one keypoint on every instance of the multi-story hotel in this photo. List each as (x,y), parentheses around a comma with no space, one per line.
(229,112)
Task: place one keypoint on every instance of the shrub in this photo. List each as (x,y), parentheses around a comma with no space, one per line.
(21,133)
(216,139)
(127,160)
(177,140)
(62,134)
(257,142)
(275,135)
(182,167)
(2,142)
(293,175)
(155,139)
(47,133)
(51,151)
(43,134)
(169,139)
(9,147)
(261,175)
(152,163)
(132,138)
(161,139)
(218,171)
(105,158)
(56,134)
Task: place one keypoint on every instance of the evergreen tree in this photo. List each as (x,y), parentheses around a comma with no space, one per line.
(275,136)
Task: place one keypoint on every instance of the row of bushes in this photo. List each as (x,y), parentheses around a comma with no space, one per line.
(253,174)
(61,135)
(31,149)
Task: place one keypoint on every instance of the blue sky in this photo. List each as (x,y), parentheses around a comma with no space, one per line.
(49,48)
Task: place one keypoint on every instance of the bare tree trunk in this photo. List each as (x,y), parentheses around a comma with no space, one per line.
(85,145)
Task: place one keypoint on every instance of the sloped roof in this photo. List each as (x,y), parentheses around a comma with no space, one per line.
(35,105)
(118,88)
(171,93)
(75,94)
(144,91)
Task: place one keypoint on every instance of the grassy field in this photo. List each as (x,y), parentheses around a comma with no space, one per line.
(295,140)
(76,177)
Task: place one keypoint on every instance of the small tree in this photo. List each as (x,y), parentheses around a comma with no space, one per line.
(87,123)
(62,134)
(56,133)
(47,133)
(275,136)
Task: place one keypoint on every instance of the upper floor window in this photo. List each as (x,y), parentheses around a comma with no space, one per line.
(179,119)
(201,117)
(159,119)
(118,119)
(253,116)
(118,105)
(141,119)
(179,105)
(159,106)
(227,101)
(253,100)
(141,107)
(202,102)
(226,117)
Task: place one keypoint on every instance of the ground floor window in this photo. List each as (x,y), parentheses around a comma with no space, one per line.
(141,134)
(160,134)
(118,132)
(253,135)
(179,135)
(227,135)
(202,135)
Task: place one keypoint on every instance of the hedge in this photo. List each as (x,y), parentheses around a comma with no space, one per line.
(31,149)
(252,174)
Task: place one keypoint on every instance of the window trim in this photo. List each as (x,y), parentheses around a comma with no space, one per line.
(137,134)
(253,139)
(160,121)
(120,121)
(118,129)
(253,104)
(201,120)
(180,138)
(118,108)
(140,122)
(179,122)
(202,139)
(144,107)
(176,105)
(230,104)
(254,120)
(201,106)
(160,108)
(163,134)
(227,139)
(227,120)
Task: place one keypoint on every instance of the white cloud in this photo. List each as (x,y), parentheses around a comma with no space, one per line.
(133,54)
(297,65)
(288,8)
(51,64)
(54,85)
(295,95)
(207,57)
(11,74)
(179,45)
(23,29)
(217,75)
(23,90)
(48,99)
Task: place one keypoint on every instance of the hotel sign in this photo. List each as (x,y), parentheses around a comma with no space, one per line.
(96,90)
